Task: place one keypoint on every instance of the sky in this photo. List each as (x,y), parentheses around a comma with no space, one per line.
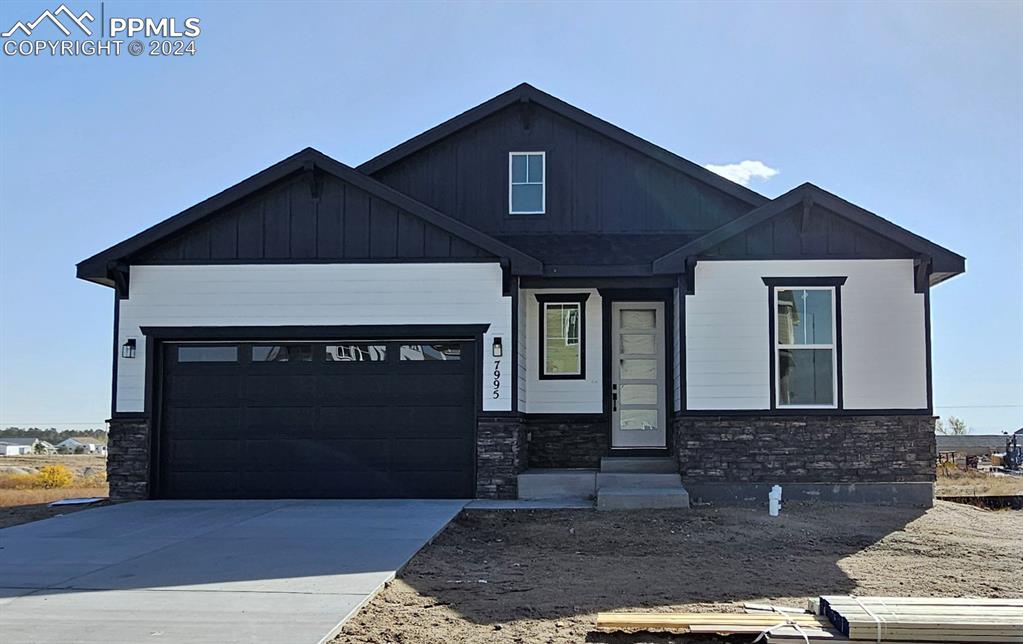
(912,110)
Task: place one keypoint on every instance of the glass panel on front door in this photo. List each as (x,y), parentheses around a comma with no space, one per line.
(638,375)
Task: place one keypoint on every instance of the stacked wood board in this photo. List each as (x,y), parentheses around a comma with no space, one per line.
(704,623)
(924,619)
(850,619)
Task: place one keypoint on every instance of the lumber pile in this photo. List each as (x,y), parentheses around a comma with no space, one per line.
(705,623)
(847,619)
(925,619)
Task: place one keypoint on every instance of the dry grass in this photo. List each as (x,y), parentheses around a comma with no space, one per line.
(14,498)
(959,482)
(24,480)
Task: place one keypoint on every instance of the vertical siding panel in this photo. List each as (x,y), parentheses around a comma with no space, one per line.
(410,235)
(356,223)
(383,229)
(436,243)
(224,236)
(328,220)
(461,248)
(277,224)
(196,243)
(786,234)
(303,222)
(250,231)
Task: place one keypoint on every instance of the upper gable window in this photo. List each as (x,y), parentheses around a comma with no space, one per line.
(526,189)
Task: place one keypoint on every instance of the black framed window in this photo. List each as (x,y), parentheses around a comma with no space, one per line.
(806,357)
(527,176)
(562,336)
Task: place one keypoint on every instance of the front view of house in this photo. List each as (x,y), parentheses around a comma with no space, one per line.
(524,286)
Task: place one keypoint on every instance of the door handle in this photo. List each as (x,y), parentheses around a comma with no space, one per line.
(614,397)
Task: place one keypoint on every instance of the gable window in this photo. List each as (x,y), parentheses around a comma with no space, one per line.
(526,189)
(805,346)
(562,336)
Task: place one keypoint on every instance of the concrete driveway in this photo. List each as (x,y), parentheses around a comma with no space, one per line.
(206,571)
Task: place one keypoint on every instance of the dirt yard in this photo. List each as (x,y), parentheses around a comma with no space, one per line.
(541,576)
(20,503)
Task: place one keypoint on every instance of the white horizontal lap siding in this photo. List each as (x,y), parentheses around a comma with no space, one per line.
(564,396)
(883,334)
(313,295)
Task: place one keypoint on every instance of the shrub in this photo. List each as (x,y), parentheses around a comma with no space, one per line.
(53,476)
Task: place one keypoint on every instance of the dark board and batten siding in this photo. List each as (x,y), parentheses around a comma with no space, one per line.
(821,234)
(287,223)
(593,183)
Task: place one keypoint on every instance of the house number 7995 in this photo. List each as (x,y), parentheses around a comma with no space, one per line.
(497,379)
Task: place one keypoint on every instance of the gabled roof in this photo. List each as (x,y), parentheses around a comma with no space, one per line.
(99,267)
(526,93)
(944,263)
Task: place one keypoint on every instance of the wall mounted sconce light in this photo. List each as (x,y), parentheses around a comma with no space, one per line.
(128,348)
(497,350)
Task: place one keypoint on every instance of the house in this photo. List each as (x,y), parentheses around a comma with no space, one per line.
(76,446)
(524,286)
(16,446)
(10,446)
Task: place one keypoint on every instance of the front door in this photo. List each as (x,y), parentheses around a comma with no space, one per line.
(638,411)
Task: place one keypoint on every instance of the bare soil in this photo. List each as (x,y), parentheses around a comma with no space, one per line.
(541,576)
(14,508)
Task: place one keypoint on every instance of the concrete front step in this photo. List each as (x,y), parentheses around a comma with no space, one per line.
(615,498)
(558,484)
(639,464)
(637,480)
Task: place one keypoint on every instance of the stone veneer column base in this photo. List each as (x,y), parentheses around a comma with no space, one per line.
(128,459)
(500,456)
(863,458)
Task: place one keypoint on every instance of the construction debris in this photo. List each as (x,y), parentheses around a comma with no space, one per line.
(925,619)
(847,618)
(706,623)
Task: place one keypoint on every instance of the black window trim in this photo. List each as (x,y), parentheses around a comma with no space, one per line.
(515,214)
(544,299)
(772,284)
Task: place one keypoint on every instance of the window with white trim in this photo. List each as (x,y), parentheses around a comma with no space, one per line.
(805,345)
(526,179)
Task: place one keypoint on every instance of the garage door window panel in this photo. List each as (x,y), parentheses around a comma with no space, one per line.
(282,353)
(356,353)
(207,353)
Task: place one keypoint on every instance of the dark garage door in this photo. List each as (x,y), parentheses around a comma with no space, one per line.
(367,419)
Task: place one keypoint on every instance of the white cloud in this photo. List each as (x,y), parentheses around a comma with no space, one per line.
(744,171)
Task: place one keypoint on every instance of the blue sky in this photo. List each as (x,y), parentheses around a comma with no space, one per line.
(911,110)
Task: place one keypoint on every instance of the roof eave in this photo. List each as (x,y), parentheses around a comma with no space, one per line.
(943,261)
(98,267)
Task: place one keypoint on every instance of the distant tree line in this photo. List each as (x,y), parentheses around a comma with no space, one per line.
(51,435)
(952,427)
